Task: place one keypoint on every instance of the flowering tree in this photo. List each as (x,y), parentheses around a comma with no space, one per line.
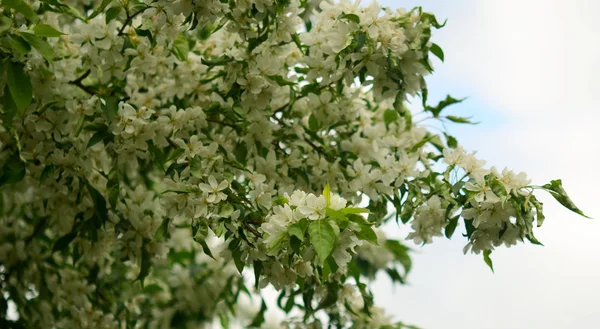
(162,160)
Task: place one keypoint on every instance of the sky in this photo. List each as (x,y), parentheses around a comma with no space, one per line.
(531,72)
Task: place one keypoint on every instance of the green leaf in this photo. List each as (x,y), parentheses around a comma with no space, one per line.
(394,275)
(163,230)
(98,137)
(21,7)
(360,38)
(539,210)
(112,13)
(322,237)
(206,249)
(226,210)
(451,226)
(437,51)
(99,204)
(199,229)
(181,47)
(258,267)
(400,252)
(281,80)
(289,304)
(487,259)
(259,319)
(98,10)
(390,116)
(145,33)
(366,233)
(313,123)
(19,85)
(451,141)
(63,242)
(456,119)
(145,265)
(428,138)
(5,24)
(40,45)
(196,169)
(443,104)
(111,107)
(236,254)
(436,141)
(333,290)
(408,208)
(354,211)
(351,17)
(469,228)
(48,170)
(295,244)
(326,270)
(533,239)
(152,289)
(399,103)
(112,187)
(327,194)
(335,214)
(95,127)
(280,201)
(298,229)
(45,30)
(367,297)
(428,17)
(18,44)
(13,171)
(10,109)
(180,257)
(277,242)
(241,152)
(498,188)
(558,192)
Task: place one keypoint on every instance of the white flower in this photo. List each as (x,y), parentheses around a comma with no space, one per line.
(359,169)
(511,180)
(252,83)
(337,202)
(453,156)
(213,190)
(429,221)
(190,149)
(348,241)
(484,192)
(298,198)
(353,296)
(473,166)
(314,208)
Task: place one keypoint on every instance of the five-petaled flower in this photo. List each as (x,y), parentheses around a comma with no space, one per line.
(213,190)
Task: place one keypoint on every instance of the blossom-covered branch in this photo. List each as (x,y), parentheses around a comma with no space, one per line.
(153,151)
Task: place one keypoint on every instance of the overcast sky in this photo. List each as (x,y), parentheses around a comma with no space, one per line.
(531,70)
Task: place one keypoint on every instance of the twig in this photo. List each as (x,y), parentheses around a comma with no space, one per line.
(77,82)
(252,230)
(172,143)
(128,20)
(85,75)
